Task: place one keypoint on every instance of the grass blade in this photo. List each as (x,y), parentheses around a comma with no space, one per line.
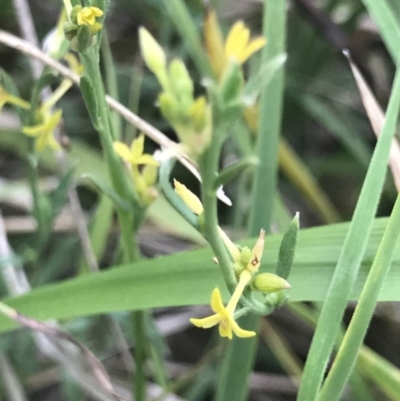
(350,256)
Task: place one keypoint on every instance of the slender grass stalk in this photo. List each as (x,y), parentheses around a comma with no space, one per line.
(269,126)
(350,257)
(383,14)
(357,329)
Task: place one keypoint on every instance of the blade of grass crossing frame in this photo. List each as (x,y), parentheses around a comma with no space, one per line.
(271,103)
(239,357)
(350,256)
(357,329)
(384,15)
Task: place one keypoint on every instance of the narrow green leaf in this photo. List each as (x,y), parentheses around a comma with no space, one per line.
(384,15)
(188,279)
(89,96)
(350,256)
(357,329)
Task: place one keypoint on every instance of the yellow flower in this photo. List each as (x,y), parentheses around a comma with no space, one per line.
(88,15)
(238,45)
(44,132)
(224,315)
(134,156)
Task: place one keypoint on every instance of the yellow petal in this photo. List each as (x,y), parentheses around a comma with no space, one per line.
(137,147)
(97,12)
(53,121)
(214,44)
(257,253)
(233,38)
(33,131)
(41,143)
(216,302)
(190,199)
(122,151)
(149,174)
(225,329)
(254,46)
(239,331)
(207,322)
(52,143)
(147,159)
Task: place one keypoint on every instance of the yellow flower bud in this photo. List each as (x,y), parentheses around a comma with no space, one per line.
(181,83)
(257,252)
(154,56)
(190,199)
(268,282)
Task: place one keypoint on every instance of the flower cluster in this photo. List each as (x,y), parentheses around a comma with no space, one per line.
(146,178)
(245,263)
(82,25)
(189,116)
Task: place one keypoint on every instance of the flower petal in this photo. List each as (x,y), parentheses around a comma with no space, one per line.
(239,331)
(233,37)
(137,148)
(122,151)
(225,329)
(216,302)
(97,12)
(207,322)
(53,121)
(33,131)
(148,160)
(254,46)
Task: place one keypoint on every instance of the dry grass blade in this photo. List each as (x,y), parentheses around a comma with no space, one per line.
(97,368)
(376,117)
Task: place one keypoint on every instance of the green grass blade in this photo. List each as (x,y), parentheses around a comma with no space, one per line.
(189,277)
(380,371)
(271,105)
(384,15)
(357,329)
(350,256)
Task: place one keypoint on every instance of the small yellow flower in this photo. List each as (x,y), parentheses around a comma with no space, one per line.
(134,156)
(224,315)
(44,132)
(238,45)
(88,15)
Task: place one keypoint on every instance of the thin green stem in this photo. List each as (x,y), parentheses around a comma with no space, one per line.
(140,355)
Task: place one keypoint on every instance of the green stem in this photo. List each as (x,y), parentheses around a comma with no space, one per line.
(140,355)
(208,164)
(90,60)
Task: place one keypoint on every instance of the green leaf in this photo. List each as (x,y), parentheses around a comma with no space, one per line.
(188,279)
(287,249)
(263,77)
(384,15)
(351,255)
(89,96)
